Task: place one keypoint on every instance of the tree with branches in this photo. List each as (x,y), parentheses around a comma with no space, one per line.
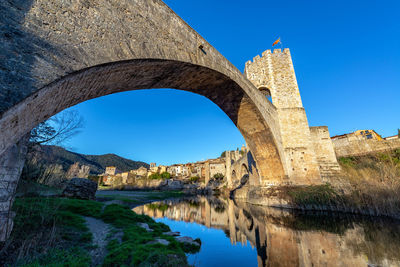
(57,129)
(54,131)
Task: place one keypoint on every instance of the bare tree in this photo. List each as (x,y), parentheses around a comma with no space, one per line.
(57,129)
(54,131)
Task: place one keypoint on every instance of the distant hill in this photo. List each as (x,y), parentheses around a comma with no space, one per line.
(97,163)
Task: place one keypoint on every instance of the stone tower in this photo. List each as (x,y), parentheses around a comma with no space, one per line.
(273,74)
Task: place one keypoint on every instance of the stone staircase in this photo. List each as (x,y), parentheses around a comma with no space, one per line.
(328,169)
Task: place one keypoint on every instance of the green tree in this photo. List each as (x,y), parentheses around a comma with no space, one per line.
(223,154)
(165,175)
(218,176)
(194,179)
(155,176)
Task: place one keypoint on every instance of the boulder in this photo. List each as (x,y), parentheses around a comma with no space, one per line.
(188,241)
(80,188)
(145,226)
(172,233)
(159,241)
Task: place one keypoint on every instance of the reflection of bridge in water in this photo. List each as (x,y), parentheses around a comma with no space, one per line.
(285,239)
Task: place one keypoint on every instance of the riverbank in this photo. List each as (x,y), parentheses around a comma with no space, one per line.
(135,198)
(53,231)
(368,185)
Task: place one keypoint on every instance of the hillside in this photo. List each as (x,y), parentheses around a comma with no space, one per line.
(97,163)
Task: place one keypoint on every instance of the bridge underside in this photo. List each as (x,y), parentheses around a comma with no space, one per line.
(58,59)
(57,54)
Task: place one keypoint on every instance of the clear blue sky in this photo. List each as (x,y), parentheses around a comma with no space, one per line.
(347,61)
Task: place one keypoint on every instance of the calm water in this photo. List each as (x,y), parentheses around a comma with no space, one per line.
(239,234)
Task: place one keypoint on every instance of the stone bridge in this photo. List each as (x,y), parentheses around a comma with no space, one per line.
(56,54)
(240,168)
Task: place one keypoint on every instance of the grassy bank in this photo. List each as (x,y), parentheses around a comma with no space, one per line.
(137,197)
(368,184)
(53,232)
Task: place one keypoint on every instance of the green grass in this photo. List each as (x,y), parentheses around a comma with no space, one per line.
(122,198)
(76,257)
(47,230)
(134,248)
(52,232)
(144,197)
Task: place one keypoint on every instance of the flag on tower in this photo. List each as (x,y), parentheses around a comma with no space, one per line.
(277,41)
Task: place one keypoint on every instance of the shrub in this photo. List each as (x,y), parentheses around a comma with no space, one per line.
(194,179)
(347,161)
(155,176)
(165,175)
(218,176)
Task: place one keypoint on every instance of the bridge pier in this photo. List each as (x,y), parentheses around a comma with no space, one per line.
(228,170)
(11,164)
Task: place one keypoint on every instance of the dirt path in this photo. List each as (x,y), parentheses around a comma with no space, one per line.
(100,230)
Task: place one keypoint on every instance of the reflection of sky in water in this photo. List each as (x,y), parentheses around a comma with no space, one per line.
(216,248)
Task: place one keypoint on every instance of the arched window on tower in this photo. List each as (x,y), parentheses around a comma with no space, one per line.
(266,92)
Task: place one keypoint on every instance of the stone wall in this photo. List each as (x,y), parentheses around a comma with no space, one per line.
(217,168)
(11,164)
(352,146)
(324,152)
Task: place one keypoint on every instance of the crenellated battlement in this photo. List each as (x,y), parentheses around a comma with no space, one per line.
(267,53)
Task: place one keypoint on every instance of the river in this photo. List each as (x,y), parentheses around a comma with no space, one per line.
(240,234)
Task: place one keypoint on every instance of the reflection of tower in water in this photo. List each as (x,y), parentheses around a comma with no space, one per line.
(271,233)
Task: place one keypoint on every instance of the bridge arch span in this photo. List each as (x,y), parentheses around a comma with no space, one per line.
(72,56)
(146,74)
(244,170)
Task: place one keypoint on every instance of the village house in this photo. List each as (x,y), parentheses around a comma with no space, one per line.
(111,170)
(358,135)
(217,166)
(203,169)
(141,171)
(162,168)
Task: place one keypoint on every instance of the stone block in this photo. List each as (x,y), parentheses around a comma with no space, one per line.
(5,205)
(5,195)
(6,225)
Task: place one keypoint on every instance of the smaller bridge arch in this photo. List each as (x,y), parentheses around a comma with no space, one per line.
(266,92)
(244,170)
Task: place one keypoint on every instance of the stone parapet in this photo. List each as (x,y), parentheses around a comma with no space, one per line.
(346,148)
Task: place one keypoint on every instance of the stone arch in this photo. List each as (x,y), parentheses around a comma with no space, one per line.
(244,170)
(153,48)
(266,92)
(234,176)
